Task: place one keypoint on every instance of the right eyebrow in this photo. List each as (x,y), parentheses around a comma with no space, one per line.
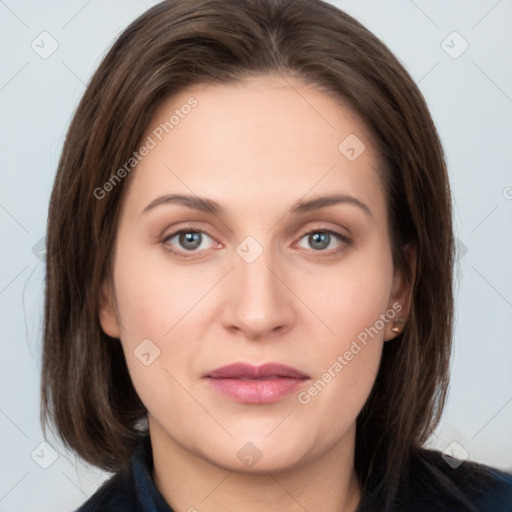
(193,202)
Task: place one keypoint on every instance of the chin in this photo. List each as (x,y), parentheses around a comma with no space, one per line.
(253,455)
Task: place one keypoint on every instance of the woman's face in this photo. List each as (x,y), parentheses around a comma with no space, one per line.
(197,289)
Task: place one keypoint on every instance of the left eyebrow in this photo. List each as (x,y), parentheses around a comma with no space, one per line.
(324,201)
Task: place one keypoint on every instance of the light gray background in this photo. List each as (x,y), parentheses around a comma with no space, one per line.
(471,101)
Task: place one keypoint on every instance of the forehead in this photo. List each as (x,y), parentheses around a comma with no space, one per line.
(262,139)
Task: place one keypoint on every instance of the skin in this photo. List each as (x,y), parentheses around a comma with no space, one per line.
(256,148)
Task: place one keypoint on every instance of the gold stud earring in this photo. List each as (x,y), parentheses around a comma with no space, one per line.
(396,328)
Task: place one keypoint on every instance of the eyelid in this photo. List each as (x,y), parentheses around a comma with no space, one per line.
(324,229)
(186,226)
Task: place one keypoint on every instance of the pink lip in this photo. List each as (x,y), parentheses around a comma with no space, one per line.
(256,384)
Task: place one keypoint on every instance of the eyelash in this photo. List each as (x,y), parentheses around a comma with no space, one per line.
(189,229)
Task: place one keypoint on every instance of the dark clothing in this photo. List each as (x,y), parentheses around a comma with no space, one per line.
(431,485)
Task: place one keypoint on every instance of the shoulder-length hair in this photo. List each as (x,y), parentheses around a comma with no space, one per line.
(86,388)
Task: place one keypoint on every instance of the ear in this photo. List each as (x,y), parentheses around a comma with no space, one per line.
(106,310)
(401,295)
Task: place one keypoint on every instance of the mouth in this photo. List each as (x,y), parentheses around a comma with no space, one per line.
(256,384)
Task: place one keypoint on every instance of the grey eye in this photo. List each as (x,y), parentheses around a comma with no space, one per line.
(319,240)
(190,240)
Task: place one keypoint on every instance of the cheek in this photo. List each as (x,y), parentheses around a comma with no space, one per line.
(154,296)
(353,302)
(154,307)
(159,308)
(353,295)
(347,362)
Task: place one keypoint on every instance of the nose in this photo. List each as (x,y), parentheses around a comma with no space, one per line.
(259,303)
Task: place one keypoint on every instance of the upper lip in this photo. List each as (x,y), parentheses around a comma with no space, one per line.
(244,370)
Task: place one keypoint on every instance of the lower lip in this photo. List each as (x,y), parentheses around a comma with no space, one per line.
(256,391)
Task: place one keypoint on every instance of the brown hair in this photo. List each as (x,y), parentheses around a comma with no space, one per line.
(86,388)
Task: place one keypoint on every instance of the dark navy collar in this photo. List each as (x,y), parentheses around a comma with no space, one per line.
(132,489)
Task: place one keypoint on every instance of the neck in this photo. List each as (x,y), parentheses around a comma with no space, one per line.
(190,483)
